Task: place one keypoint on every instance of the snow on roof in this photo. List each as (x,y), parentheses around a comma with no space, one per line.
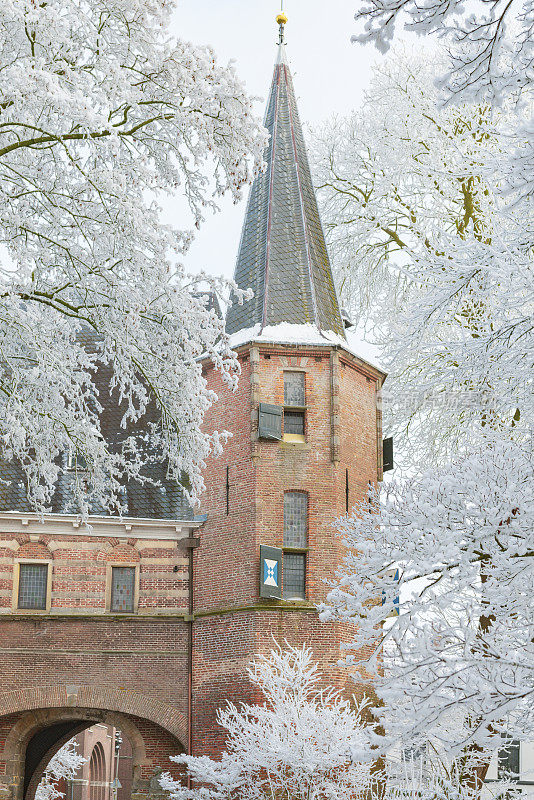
(289,333)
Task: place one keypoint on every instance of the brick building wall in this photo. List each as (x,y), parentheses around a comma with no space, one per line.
(342,441)
(83,786)
(77,662)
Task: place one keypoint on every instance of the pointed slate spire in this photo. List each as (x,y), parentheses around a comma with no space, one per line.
(282,254)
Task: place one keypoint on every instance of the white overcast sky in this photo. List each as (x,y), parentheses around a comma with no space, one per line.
(330,75)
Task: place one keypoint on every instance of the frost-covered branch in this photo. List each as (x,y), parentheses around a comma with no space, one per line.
(434,263)
(63,766)
(299,742)
(490,44)
(457,546)
(490,48)
(100,113)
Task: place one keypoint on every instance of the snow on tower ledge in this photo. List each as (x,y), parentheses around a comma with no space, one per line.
(287,333)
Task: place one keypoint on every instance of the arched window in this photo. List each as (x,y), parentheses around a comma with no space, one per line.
(97,773)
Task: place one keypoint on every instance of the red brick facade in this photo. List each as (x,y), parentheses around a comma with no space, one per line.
(76,662)
(341,445)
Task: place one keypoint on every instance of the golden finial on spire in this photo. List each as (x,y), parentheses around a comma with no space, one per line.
(281,20)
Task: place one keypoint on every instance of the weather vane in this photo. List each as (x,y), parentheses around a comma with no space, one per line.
(281,20)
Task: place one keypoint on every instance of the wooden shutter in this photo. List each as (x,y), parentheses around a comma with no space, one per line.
(270,572)
(387,454)
(395,611)
(270,422)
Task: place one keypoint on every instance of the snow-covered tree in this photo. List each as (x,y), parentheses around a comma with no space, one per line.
(63,766)
(424,236)
(490,49)
(422,774)
(428,206)
(101,112)
(430,258)
(298,743)
(457,545)
(490,44)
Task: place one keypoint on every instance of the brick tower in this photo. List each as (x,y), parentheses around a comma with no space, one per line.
(306,437)
(147,622)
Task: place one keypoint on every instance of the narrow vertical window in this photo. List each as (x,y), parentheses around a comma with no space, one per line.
(294,404)
(33,585)
(97,773)
(508,759)
(294,391)
(122,589)
(347,491)
(227,490)
(295,545)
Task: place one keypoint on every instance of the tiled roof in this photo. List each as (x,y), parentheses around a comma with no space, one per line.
(165,501)
(282,254)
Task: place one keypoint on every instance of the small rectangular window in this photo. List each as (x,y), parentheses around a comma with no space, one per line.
(414,753)
(33,584)
(294,389)
(294,576)
(294,422)
(294,406)
(76,461)
(295,519)
(415,760)
(122,589)
(508,759)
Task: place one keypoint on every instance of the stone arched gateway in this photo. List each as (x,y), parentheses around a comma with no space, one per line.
(70,656)
(33,733)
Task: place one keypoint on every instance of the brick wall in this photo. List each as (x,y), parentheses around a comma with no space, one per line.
(81,658)
(231,622)
(79,570)
(78,654)
(81,643)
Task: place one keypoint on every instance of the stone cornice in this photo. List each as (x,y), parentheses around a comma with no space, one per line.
(72,525)
(312,349)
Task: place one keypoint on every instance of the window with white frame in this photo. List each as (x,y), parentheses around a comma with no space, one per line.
(508,759)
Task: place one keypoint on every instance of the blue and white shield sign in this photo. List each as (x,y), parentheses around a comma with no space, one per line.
(270,571)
